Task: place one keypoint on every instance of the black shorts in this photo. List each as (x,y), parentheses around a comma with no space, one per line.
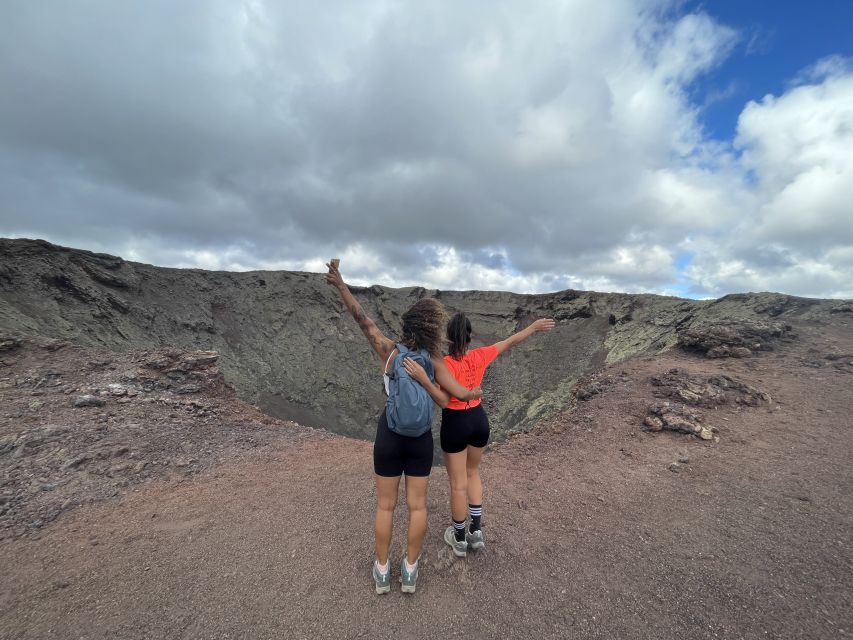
(394,455)
(461,428)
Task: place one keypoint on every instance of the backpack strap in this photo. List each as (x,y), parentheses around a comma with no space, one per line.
(389,360)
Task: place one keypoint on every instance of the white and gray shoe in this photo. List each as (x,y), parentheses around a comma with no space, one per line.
(475,539)
(382,580)
(408,580)
(460,547)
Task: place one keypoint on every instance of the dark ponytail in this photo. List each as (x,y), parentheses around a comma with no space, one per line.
(459,335)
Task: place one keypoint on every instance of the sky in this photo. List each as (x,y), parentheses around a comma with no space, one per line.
(677,147)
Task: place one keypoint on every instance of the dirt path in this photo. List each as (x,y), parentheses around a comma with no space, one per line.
(590,535)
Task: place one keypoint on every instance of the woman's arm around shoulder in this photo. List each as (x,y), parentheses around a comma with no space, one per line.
(439,395)
(380,343)
(451,384)
(543,324)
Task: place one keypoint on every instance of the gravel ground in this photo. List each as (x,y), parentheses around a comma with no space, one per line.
(591,532)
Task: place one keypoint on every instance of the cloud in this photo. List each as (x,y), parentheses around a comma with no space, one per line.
(798,234)
(491,145)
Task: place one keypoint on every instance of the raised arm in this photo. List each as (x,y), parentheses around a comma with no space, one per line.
(543,324)
(381,344)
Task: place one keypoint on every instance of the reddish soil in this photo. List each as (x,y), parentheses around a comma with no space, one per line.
(589,532)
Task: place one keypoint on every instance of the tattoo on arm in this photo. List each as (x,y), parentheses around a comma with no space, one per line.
(368,328)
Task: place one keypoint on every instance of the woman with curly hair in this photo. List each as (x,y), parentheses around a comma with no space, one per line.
(394,454)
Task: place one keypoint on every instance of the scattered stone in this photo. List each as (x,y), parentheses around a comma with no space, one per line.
(710,391)
(8,442)
(73,463)
(9,343)
(118,468)
(117,389)
(683,459)
(188,388)
(673,416)
(89,401)
(592,385)
(35,405)
(738,339)
(675,467)
(653,423)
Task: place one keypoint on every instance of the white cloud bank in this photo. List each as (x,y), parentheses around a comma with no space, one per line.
(490,145)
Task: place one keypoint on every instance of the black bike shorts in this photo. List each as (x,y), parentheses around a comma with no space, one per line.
(394,455)
(461,428)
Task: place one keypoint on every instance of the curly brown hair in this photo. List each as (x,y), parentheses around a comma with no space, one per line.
(424,326)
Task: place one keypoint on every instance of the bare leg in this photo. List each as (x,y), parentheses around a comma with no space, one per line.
(472,469)
(416,500)
(455,464)
(386,501)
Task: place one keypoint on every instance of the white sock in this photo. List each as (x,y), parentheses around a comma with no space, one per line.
(410,567)
(383,568)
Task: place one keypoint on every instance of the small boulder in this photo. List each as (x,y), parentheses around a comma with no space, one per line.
(9,343)
(653,423)
(89,401)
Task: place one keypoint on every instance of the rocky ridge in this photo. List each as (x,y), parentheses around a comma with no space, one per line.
(288,346)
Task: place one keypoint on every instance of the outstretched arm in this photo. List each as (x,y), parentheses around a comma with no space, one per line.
(543,324)
(436,392)
(381,344)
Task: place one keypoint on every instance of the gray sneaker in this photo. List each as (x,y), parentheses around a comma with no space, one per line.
(382,580)
(409,580)
(460,547)
(475,539)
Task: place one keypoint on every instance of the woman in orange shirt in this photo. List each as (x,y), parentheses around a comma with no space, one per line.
(465,429)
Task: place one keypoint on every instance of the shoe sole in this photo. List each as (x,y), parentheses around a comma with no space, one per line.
(477,545)
(408,588)
(380,589)
(456,552)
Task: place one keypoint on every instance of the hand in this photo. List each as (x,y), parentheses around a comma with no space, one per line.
(334,276)
(476,393)
(416,371)
(543,324)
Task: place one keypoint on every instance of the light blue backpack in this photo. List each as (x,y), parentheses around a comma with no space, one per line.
(409,406)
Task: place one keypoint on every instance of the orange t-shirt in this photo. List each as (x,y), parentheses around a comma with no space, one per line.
(469,372)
